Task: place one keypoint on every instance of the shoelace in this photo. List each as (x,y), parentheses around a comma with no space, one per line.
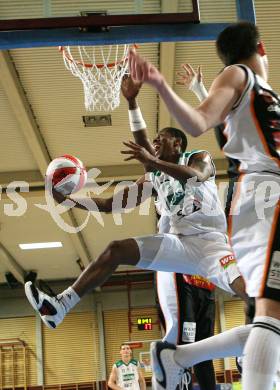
(61,301)
(43,286)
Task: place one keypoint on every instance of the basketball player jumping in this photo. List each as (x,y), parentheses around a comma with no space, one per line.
(185,187)
(241,96)
(187,302)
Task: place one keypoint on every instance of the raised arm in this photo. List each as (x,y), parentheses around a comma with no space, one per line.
(130,90)
(193,80)
(224,92)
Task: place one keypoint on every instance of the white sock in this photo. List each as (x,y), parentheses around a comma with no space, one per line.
(69,297)
(229,343)
(261,354)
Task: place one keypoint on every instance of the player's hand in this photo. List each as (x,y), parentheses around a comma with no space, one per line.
(137,152)
(130,88)
(58,196)
(143,71)
(189,76)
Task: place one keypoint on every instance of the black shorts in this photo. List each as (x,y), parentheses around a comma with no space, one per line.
(196,312)
(197,305)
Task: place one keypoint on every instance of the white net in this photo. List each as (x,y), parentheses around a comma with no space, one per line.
(101,69)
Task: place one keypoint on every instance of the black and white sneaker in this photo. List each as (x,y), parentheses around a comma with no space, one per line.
(51,309)
(167,372)
(239,363)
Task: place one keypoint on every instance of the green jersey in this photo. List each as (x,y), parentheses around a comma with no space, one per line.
(127,374)
(188,208)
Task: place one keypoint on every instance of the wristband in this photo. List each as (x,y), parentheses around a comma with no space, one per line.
(198,89)
(136,120)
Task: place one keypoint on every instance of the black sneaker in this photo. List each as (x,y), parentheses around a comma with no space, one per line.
(51,309)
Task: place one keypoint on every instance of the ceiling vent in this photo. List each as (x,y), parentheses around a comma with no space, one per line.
(97,120)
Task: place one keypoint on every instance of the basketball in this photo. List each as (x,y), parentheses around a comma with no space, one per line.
(67,174)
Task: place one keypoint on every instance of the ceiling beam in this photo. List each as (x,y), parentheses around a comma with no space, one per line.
(23,113)
(107,172)
(11,264)
(166,65)
(33,178)
(30,129)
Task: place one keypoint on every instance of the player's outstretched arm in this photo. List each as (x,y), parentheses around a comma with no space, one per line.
(128,198)
(201,166)
(130,90)
(83,203)
(224,92)
(193,80)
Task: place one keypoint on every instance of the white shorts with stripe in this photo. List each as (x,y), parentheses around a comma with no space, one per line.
(254,230)
(208,255)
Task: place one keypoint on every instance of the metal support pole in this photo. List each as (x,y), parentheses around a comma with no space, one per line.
(39,351)
(100,322)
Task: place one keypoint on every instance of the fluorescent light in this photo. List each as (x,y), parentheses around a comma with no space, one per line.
(40,245)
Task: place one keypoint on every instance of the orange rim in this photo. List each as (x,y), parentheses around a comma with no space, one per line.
(88,65)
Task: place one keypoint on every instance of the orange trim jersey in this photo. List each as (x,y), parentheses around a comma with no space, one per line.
(253,127)
(198,281)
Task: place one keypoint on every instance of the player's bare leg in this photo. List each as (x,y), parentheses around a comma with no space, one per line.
(53,309)
(97,272)
(238,286)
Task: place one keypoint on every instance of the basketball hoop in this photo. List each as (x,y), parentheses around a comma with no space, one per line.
(101,69)
(145,361)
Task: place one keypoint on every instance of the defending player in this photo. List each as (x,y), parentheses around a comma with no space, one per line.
(241,96)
